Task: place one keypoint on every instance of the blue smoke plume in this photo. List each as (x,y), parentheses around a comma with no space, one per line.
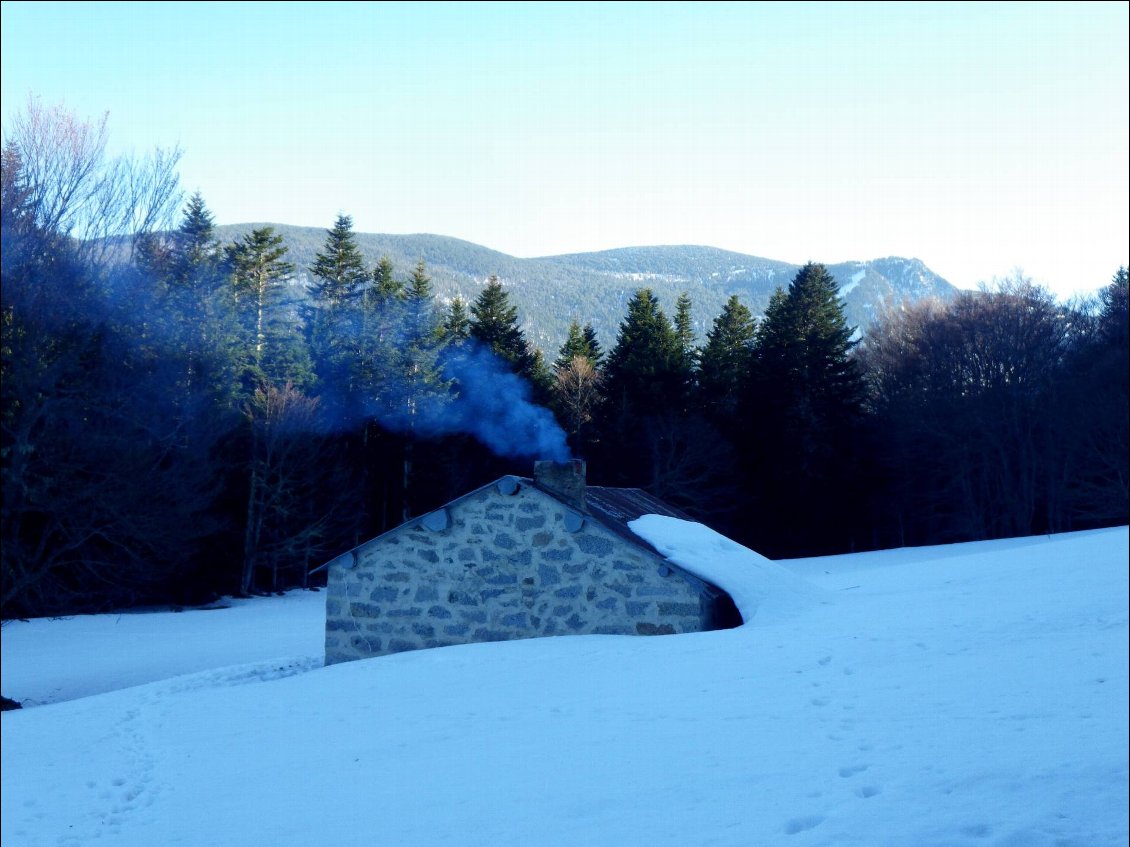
(486,401)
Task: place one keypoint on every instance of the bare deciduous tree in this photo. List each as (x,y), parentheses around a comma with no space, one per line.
(97,506)
(577,392)
(283,529)
(965,391)
(76,190)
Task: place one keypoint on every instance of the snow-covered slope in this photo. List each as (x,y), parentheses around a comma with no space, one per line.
(966,695)
(47,660)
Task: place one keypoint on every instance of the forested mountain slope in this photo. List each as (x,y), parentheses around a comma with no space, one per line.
(551,291)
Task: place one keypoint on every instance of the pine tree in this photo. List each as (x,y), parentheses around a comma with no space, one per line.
(494,323)
(725,362)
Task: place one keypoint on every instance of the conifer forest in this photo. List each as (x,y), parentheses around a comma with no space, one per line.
(183,419)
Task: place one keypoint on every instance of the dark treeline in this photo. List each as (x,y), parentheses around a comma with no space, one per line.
(181,419)
(999,413)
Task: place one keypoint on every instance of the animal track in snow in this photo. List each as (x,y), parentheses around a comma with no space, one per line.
(852,770)
(803,823)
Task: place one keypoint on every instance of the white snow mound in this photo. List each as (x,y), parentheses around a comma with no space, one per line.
(763,591)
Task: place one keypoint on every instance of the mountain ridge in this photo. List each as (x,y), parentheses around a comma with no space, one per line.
(594,287)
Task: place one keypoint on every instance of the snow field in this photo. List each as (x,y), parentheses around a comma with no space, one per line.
(965,695)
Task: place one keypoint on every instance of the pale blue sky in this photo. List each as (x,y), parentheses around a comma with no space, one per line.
(976,137)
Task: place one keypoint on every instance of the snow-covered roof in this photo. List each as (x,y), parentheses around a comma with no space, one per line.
(758,586)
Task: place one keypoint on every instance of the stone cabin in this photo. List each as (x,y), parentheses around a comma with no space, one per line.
(518,558)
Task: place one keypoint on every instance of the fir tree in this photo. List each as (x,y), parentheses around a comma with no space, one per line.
(804,344)
(423,327)
(190,257)
(541,378)
(687,358)
(382,319)
(580,342)
(774,341)
(1095,421)
(416,390)
(684,331)
(596,353)
(1114,314)
(494,323)
(339,318)
(644,369)
(724,365)
(198,309)
(198,257)
(418,373)
(260,278)
(804,406)
(643,384)
(457,323)
(339,269)
(419,284)
(385,286)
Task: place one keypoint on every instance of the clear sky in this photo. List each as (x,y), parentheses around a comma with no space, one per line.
(978,138)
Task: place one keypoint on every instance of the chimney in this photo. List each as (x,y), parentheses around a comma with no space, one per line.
(565,480)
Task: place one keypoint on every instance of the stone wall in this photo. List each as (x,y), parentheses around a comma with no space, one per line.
(499,566)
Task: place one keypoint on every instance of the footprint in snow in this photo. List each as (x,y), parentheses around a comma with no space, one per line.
(852,770)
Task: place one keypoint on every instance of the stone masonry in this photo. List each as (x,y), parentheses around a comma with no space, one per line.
(504,562)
